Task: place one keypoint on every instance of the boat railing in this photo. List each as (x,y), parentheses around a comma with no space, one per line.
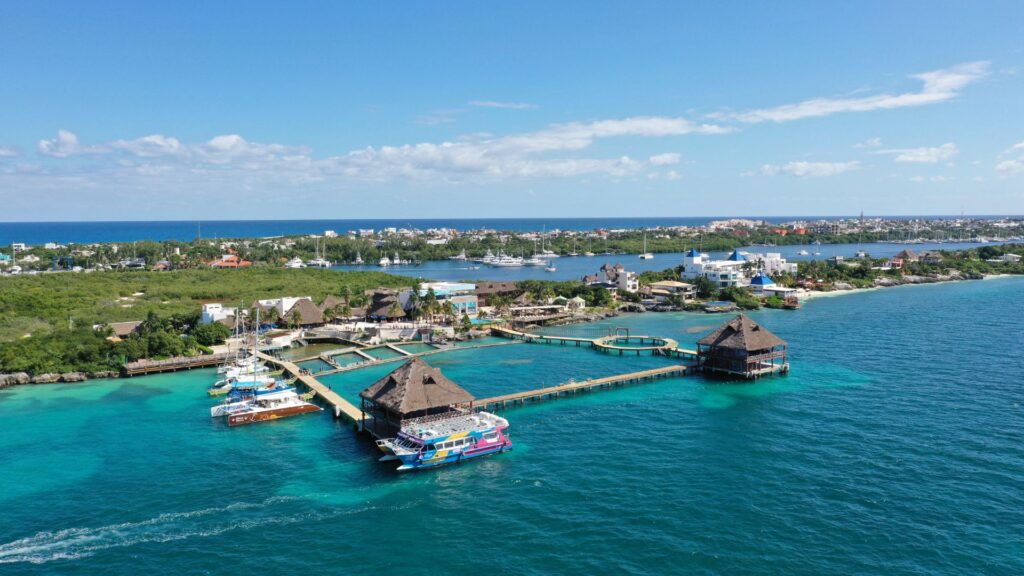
(451,413)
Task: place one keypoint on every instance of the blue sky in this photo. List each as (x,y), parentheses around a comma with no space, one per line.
(220,110)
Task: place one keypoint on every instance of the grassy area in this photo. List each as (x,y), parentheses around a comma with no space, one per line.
(39,303)
(46,320)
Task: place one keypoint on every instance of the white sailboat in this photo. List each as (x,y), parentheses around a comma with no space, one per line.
(319,262)
(646,255)
(359,259)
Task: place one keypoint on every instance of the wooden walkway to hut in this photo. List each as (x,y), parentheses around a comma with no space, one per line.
(340,405)
(571,388)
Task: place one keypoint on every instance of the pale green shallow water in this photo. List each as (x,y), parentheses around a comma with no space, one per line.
(895,447)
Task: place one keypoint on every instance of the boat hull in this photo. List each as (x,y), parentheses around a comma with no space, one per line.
(270,414)
(413,463)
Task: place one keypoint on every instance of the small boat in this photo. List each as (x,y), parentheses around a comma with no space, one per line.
(535,261)
(550,269)
(588,253)
(295,263)
(474,267)
(447,438)
(504,261)
(384,261)
(803,253)
(646,255)
(459,256)
(862,254)
(359,259)
(319,261)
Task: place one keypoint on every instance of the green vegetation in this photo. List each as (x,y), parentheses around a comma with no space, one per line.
(46,320)
(595,296)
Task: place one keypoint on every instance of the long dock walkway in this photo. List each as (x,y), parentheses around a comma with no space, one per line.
(339,404)
(658,345)
(586,385)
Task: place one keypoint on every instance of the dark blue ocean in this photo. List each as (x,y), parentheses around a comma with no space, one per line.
(895,447)
(86,232)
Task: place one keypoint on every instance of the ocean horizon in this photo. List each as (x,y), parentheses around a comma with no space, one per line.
(99,231)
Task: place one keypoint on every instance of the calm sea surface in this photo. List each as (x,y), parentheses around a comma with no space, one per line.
(84,232)
(896,446)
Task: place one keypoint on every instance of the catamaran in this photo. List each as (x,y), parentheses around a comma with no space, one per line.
(459,256)
(385,261)
(446,438)
(319,262)
(295,263)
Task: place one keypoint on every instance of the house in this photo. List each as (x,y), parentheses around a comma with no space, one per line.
(613,278)
(931,257)
(486,291)
(230,261)
(663,289)
(1009,258)
(763,285)
(216,312)
(906,256)
(576,304)
(162,266)
(5,259)
(120,330)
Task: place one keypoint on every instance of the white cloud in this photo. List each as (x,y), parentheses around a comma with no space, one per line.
(923,155)
(809,169)
(66,144)
(665,159)
(550,152)
(931,179)
(869,143)
(673,175)
(9,151)
(1011,160)
(938,86)
(501,105)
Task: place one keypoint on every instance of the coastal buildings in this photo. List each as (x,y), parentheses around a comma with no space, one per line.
(217,312)
(741,348)
(736,269)
(229,261)
(487,291)
(662,290)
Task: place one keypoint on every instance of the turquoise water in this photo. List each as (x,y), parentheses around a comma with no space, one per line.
(348,358)
(382,353)
(316,365)
(416,347)
(894,447)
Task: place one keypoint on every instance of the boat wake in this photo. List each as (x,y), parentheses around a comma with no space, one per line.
(72,543)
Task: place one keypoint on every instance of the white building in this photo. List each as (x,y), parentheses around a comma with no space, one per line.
(283,305)
(723,273)
(736,269)
(461,295)
(216,312)
(614,277)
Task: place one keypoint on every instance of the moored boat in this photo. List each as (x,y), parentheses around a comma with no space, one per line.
(446,438)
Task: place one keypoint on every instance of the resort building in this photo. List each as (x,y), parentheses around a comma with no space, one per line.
(461,295)
(281,305)
(305,314)
(763,285)
(384,305)
(487,291)
(741,348)
(736,269)
(120,330)
(414,390)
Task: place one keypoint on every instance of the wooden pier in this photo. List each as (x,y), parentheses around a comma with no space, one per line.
(340,406)
(141,367)
(571,388)
(607,344)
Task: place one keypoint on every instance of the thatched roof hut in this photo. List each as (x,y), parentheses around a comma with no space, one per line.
(306,313)
(385,305)
(414,389)
(742,347)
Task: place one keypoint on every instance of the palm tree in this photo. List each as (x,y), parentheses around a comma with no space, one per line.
(345,293)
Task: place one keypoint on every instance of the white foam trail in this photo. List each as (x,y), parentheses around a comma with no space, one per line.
(74,543)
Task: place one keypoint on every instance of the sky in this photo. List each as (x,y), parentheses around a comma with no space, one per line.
(290,110)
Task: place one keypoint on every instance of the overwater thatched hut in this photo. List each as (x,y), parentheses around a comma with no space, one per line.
(413,390)
(742,348)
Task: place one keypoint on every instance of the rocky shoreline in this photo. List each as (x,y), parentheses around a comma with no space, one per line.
(18,378)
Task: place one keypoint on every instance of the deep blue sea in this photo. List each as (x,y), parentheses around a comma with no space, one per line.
(86,232)
(895,446)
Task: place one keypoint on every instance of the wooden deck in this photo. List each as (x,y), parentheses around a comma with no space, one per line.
(141,367)
(571,388)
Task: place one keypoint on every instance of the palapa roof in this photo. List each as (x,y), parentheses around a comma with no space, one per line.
(385,304)
(331,302)
(307,311)
(742,333)
(122,329)
(415,387)
(495,287)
